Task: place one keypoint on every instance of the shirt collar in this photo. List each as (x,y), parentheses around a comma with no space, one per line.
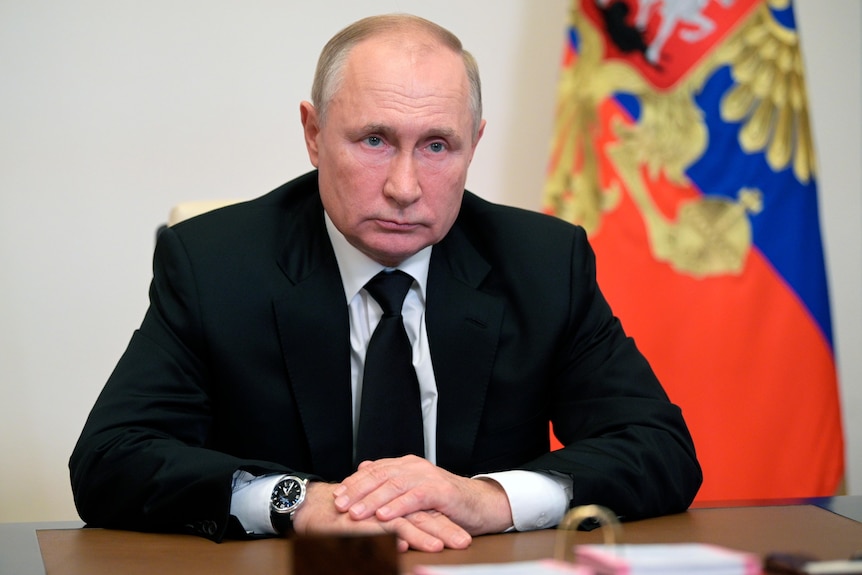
(356,268)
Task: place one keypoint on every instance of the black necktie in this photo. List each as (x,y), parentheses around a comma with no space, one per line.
(390,414)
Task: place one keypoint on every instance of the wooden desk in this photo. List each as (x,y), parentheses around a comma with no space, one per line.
(802,528)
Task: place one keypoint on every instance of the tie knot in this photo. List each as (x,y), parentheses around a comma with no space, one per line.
(389,290)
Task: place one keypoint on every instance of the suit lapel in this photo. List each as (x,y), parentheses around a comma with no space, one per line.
(463,331)
(313,327)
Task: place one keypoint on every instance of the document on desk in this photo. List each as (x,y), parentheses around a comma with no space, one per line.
(666,559)
(541,567)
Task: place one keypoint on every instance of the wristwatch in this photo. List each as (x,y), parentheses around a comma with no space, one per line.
(287,496)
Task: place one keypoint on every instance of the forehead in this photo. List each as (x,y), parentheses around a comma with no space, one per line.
(404,73)
(414,46)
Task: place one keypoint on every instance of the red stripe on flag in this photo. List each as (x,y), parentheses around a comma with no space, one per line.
(739,354)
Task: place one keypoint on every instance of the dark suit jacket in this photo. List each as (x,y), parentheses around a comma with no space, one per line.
(242,362)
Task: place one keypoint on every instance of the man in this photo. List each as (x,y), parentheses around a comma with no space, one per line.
(246,377)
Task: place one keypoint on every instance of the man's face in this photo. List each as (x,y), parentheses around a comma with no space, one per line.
(395,147)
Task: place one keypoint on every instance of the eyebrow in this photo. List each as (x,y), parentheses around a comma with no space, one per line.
(442,132)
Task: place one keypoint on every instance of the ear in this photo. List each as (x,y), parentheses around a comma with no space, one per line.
(310,129)
(479,134)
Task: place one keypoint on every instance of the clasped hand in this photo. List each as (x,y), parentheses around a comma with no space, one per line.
(426,507)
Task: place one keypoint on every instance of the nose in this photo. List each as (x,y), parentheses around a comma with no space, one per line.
(402,181)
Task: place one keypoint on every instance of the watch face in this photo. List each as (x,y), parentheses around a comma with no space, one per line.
(287,495)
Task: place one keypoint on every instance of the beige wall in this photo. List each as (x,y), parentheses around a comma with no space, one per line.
(111,111)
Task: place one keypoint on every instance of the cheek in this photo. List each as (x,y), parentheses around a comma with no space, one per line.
(359,175)
(447,189)
(346,180)
(445,206)
(337,195)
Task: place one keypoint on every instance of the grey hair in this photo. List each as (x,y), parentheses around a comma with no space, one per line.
(330,65)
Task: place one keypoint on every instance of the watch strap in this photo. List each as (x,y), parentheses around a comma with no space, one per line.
(282,523)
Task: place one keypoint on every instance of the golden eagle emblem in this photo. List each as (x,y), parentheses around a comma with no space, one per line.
(661,54)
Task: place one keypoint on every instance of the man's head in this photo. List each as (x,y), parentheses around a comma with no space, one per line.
(395,121)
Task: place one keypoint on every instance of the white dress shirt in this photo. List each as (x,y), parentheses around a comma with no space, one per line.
(537,500)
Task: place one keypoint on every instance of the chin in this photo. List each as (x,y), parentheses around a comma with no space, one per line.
(389,251)
(391,258)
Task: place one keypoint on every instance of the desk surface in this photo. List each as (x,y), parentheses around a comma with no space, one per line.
(798,528)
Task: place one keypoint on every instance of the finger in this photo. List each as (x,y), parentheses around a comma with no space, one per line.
(395,495)
(435,523)
(394,503)
(435,489)
(414,536)
(376,484)
(357,485)
(345,496)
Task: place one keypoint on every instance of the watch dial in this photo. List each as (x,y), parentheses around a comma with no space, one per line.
(286,494)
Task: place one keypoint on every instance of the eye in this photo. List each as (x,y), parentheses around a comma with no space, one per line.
(374,141)
(437,147)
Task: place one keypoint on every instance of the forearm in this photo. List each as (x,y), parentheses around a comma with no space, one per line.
(132,479)
(149,484)
(637,471)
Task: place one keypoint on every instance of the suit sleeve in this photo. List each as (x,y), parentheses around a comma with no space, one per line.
(626,445)
(142,461)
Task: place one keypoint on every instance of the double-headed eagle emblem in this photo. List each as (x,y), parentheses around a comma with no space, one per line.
(708,234)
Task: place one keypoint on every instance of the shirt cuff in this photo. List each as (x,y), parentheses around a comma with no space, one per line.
(537,499)
(250,501)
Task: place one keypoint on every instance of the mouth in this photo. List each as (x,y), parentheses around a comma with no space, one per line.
(397,226)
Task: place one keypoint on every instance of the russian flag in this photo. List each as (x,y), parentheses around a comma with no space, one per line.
(683,146)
